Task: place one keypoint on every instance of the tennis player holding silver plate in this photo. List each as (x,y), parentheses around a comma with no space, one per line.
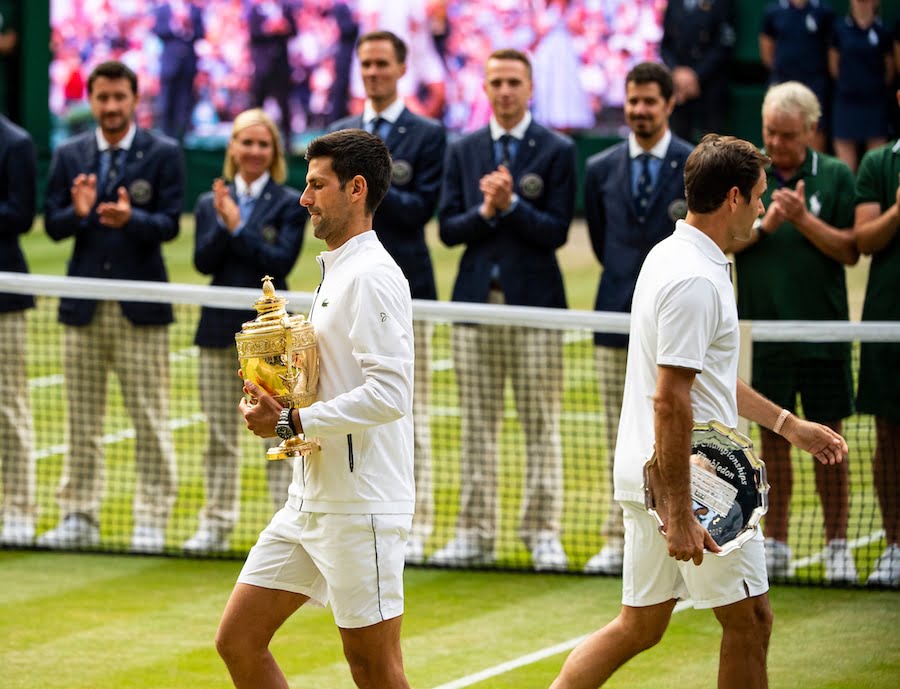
(728,486)
(279,353)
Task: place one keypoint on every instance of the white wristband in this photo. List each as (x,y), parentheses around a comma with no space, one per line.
(779,423)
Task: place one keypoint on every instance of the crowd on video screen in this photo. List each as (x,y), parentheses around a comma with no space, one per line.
(200,63)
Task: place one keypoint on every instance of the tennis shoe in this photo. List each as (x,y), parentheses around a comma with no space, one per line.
(778,559)
(147,539)
(839,565)
(608,561)
(887,568)
(206,541)
(463,551)
(17,531)
(548,554)
(74,531)
(415,551)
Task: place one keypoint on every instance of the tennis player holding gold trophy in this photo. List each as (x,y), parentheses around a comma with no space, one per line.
(280,354)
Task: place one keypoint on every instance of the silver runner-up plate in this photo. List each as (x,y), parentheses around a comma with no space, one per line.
(728,485)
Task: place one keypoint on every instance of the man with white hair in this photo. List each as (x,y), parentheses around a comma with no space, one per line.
(793,269)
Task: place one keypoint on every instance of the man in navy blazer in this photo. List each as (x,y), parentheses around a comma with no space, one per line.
(417,147)
(179,25)
(18,179)
(118,191)
(629,208)
(508,197)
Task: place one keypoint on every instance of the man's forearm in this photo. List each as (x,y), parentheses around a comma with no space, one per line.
(753,406)
(673,423)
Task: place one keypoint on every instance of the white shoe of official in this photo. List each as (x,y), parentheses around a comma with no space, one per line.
(778,559)
(887,568)
(415,551)
(17,531)
(205,541)
(608,561)
(74,531)
(147,539)
(839,565)
(548,554)
(463,551)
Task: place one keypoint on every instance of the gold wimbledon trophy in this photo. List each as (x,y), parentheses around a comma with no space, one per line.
(279,353)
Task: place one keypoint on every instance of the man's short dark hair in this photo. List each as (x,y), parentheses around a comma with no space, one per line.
(715,166)
(356,152)
(652,73)
(511,54)
(113,70)
(392,38)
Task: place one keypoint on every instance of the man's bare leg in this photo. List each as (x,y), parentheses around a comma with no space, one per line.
(746,628)
(374,655)
(776,453)
(833,486)
(596,658)
(251,618)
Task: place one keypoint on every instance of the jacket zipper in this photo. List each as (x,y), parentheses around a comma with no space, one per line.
(309,318)
(316,294)
(350,449)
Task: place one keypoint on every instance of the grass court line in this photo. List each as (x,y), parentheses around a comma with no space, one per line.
(529,658)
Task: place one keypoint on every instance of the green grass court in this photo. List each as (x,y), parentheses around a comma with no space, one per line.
(95,622)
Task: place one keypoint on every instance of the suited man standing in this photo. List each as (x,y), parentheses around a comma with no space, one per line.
(272,25)
(118,190)
(697,45)
(179,25)
(417,146)
(633,194)
(508,197)
(18,179)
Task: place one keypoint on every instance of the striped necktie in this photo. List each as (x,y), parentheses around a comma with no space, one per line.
(114,172)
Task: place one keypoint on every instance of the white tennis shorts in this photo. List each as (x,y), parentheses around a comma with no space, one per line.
(651,576)
(353,561)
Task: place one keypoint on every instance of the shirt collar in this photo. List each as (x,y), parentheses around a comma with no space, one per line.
(390,113)
(328,258)
(124,144)
(808,168)
(254,189)
(658,151)
(517,132)
(702,241)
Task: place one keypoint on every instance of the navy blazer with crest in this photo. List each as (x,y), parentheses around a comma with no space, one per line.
(621,239)
(523,242)
(18,182)
(153,175)
(268,244)
(417,145)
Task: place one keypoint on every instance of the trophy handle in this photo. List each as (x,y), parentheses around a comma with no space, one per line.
(292,448)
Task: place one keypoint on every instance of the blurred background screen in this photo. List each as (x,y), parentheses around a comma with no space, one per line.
(200,62)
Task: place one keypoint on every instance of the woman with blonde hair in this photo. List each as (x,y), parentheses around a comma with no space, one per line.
(246,227)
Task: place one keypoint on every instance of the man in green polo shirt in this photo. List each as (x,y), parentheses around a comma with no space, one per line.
(876,229)
(793,269)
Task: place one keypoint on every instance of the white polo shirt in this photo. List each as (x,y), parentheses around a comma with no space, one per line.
(683,314)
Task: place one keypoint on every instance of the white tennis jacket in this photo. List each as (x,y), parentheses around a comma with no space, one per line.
(362,313)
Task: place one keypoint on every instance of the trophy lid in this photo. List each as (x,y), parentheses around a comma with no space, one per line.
(268,306)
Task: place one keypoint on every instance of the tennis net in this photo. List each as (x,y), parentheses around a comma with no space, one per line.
(530,496)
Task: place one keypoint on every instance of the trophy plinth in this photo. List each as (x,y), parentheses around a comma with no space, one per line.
(728,486)
(280,354)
